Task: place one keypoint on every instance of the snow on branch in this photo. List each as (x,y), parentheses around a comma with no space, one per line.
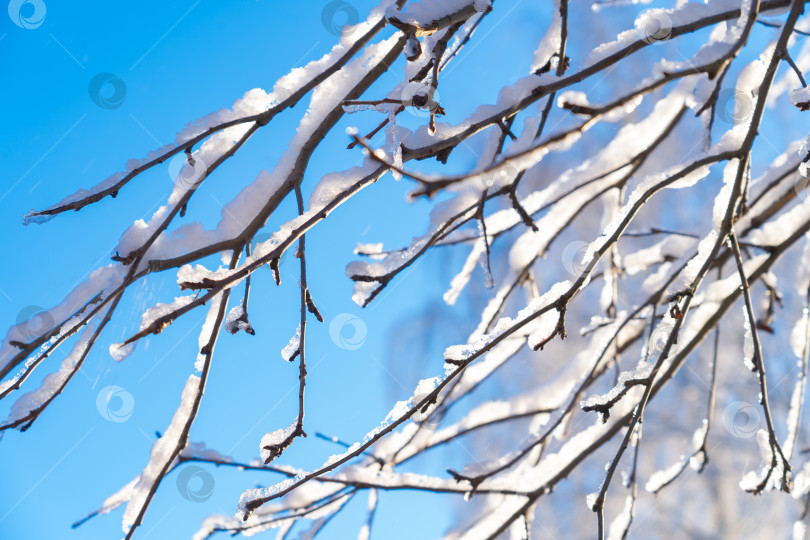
(693,215)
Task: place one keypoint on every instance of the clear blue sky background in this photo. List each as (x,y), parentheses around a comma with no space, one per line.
(180,61)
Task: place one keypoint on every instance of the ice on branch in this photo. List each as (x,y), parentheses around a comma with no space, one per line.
(292,348)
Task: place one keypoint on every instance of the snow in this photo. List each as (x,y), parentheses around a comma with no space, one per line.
(801,484)
(557,390)
(641,373)
(752,479)
(400,409)
(612,202)
(707,303)
(159,310)
(52,383)
(365,530)
(386,478)
(794,415)
(723,200)
(392,139)
(275,439)
(631,139)
(776,230)
(748,342)
(801,97)
(162,454)
(423,13)
(799,342)
(484,367)
(799,336)
(200,450)
(250,200)
(696,460)
(115,500)
(666,107)
(258,522)
(622,521)
(573,97)
(105,278)
(120,352)
(292,347)
(671,246)
(605,50)
(483,261)
(507,325)
(531,243)
(519,329)
(32,217)
(550,42)
(660,478)
(235,322)
(393,142)
(462,278)
(252,102)
(374,251)
(214,523)
(799,530)
(493,411)
(781,167)
(397,412)
(804,166)
(654,25)
(333,185)
(704,250)
(543,327)
(363,291)
(206,332)
(198,273)
(803,270)
(258,99)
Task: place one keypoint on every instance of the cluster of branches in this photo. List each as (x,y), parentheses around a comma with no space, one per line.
(657,303)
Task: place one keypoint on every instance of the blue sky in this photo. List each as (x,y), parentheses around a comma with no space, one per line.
(179,61)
